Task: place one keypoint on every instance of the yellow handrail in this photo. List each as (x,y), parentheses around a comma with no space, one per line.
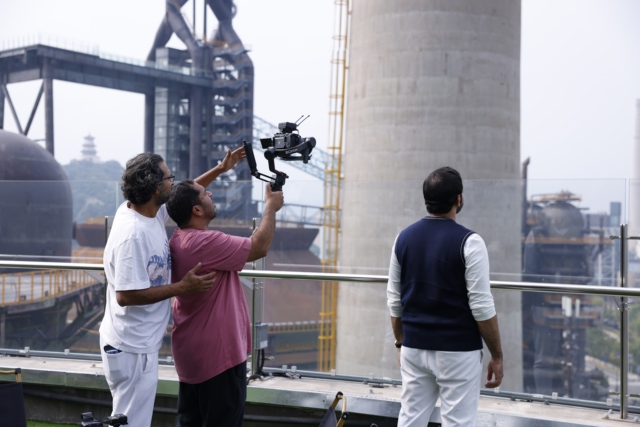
(56,282)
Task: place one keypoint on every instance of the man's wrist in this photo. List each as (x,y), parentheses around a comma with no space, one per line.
(398,344)
(177,288)
(269,209)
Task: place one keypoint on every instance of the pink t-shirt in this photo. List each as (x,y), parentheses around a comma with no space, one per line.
(211,330)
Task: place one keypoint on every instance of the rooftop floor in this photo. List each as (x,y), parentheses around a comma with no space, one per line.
(316,394)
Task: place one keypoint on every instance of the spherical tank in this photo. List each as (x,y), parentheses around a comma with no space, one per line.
(431,84)
(562,219)
(35,201)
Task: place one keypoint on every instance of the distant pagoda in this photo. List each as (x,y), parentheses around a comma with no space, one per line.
(89,152)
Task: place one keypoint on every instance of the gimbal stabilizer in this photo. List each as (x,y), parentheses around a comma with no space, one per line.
(280,177)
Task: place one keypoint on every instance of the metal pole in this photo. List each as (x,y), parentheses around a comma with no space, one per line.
(257,300)
(1,106)
(624,325)
(149,122)
(207,113)
(48,105)
(195,143)
(3,319)
(204,14)
(194,18)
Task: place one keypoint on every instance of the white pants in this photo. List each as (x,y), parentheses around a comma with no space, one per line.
(132,379)
(429,374)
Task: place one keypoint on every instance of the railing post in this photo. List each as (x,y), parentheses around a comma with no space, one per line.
(624,324)
(257,301)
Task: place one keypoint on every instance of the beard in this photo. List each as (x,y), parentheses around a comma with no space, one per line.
(163,198)
(212,213)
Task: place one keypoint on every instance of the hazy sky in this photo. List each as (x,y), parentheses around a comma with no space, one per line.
(580,75)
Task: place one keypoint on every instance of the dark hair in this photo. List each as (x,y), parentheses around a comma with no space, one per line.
(441,189)
(183,197)
(141,178)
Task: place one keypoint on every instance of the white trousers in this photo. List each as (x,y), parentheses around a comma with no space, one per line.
(429,374)
(132,379)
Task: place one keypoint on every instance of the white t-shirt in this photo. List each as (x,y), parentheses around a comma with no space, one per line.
(136,257)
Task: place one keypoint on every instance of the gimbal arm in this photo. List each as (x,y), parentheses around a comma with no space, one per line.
(280,178)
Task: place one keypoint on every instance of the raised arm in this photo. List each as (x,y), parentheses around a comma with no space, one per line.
(263,236)
(227,163)
(189,284)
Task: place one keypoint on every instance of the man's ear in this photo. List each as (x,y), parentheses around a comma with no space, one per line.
(197,210)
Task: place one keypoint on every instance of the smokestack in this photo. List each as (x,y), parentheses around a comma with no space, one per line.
(431,84)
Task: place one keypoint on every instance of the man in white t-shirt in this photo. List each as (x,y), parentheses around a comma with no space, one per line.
(138,269)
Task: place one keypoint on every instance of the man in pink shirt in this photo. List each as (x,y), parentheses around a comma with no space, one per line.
(212,330)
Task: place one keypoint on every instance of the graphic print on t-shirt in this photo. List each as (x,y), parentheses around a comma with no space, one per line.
(159,267)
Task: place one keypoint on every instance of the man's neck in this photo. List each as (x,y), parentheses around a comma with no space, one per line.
(449,215)
(149,209)
(194,224)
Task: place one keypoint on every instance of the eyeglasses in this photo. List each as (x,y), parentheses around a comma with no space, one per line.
(170,178)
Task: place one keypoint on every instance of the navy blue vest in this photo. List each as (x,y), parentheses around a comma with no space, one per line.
(433,290)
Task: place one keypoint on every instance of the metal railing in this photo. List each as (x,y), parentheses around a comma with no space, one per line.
(34,286)
(622,292)
(361,278)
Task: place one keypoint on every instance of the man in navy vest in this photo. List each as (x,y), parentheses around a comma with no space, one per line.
(441,308)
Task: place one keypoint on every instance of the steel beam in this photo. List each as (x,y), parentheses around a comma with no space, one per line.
(34,109)
(2,108)
(90,65)
(48,105)
(24,75)
(149,122)
(5,92)
(195,132)
(108,81)
(207,111)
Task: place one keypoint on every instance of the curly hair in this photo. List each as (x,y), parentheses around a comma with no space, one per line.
(183,198)
(441,189)
(141,178)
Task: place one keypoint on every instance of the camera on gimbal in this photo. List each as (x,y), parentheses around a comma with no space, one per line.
(288,145)
(114,420)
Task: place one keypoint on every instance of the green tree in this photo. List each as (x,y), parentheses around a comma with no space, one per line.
(603,347)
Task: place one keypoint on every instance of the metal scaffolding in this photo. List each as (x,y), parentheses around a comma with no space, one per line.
(332,187)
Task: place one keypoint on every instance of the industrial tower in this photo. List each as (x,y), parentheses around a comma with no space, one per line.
(193,129)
